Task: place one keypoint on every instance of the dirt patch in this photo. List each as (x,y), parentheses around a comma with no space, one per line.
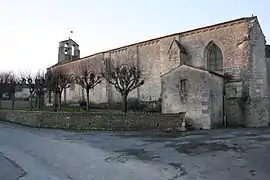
(159,140)
(158,135)
(182,171)
(116,159)
(264,139)
(140,154)
(73,138)
(195,148)
(247,135)
(223,138)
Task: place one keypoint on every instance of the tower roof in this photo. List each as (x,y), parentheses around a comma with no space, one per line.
(68,40)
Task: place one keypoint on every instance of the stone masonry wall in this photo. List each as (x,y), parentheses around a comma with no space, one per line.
(257,111)
(95,121)
(194,101)
(216,109)
(226,37)
(149,61)
(268,70)
(258,60)
(267,54)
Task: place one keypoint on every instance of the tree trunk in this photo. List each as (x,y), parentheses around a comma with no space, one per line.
(55,103)
(50,96)
(13,101)
(31,102)
(65,96)
(59,102)
(37,100)
(40,100)
(87,100)
(125,102)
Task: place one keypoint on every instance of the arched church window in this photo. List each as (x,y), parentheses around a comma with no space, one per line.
(214,58)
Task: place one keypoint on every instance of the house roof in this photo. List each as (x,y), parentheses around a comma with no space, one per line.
(198,30)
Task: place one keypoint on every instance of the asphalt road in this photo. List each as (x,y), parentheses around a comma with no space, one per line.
(33,154)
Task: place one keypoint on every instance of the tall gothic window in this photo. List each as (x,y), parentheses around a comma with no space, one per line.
(214,58)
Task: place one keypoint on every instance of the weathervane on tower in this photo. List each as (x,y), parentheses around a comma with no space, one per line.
(70,33)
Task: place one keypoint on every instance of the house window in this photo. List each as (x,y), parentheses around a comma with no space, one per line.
(214,58)
(183,85)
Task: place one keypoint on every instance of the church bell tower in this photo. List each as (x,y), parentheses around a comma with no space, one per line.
(68,50)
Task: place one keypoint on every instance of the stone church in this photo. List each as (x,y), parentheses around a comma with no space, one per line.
(216,74)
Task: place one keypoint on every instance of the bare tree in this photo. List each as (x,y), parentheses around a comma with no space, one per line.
(87,79)
(15,84)
(40,87)
(28,82)
(36,86)
(57,80)
(125,79)
(4,82)
(51,86)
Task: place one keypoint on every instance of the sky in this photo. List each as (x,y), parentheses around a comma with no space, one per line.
(31,29)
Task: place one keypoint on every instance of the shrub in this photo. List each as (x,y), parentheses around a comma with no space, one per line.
(115,105)
(98,105)
(22,99)
(154,106)
(189,123)
(82,104)
(135,105)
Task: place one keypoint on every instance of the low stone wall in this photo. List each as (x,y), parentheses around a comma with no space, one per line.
(96,121)
(18,104)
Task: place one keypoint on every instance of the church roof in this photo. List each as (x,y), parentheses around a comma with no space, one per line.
(197,68)
(267,51)
(179,45)
(198,30)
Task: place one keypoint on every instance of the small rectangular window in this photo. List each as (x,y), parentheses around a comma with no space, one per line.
(183,85)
